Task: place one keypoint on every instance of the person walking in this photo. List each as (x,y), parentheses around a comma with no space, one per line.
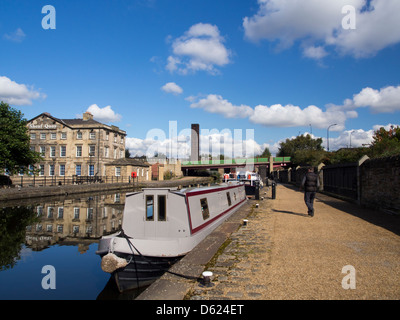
(310,184)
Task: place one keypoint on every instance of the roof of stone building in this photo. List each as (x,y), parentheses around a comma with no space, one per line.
(71,123)
(128,162)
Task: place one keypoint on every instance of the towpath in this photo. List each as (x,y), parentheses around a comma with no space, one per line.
(284,254)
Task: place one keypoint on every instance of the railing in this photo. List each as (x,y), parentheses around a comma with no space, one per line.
(41,181)
(235,161)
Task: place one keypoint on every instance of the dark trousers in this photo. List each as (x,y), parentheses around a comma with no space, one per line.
(309,200)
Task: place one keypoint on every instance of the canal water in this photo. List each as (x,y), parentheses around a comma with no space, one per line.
(48,247)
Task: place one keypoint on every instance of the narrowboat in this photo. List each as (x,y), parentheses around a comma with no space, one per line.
(161,225)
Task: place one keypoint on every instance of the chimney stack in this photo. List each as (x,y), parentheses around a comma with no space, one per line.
(195,142)
(87,116)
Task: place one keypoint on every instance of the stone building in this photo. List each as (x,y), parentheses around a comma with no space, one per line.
(124,168)
(75,147)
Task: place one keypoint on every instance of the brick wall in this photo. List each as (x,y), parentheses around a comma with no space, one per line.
(380,184)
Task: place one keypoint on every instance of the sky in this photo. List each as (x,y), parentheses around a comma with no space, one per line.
(252,72)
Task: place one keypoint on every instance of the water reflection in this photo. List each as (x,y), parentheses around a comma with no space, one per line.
(13,224)
(71,221)
(45,229)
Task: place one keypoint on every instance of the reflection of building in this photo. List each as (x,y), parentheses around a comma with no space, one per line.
(79,147)
(75,219)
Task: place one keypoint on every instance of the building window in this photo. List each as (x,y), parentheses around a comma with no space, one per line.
(149,208)
(92,135)
(51,170)
(63,136)
(53,136)
(60,228)
(106,152)
(78,169)
(89,214)
(91,170)
(117,171)
(63,151)
(41,169)
(42,150)
(52,152)
(79,151)
(121,154)
(42,136)
(204,208)
(92,151)
(49,228)
(60,212)
(79,135)
(75,229)
(115,153)
(76,213)
(107,136)
(33,136)
(62,169)
(50,212)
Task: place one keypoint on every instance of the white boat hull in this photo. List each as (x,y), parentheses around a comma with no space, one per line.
(186,218)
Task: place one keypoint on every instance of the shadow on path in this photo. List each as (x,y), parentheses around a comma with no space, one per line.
(376,217)
(291,212)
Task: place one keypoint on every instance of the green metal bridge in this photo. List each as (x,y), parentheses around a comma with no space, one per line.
(230,163)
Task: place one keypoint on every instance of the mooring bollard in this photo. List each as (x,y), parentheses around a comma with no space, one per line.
(273,190)
(207,279)
(257,190)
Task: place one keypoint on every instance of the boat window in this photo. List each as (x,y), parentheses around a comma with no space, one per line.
(234,195)
(149,208)
(204,208)
(228,196)
(162,208)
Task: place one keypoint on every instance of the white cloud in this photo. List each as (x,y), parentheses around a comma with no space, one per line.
(275,115)
(385,100)
(350,138)
(201,48)
(380,101)
(105,114)
(314,52)
(172,87)
(16,36)
(293,116)
(17,94)
(320,22)
(213,141)
(216,104)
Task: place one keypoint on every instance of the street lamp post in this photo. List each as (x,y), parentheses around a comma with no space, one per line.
(327,134)
(350,137)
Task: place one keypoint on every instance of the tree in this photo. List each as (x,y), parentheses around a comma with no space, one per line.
(15,152)
(386,142)
(290,146)
(127,153)
(303,150)
(266,153)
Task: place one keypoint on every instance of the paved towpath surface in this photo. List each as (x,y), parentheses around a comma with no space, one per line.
(284,254)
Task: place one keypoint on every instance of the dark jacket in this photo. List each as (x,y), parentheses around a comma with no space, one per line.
(310,182)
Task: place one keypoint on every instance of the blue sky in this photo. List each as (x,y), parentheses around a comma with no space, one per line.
(279,68)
